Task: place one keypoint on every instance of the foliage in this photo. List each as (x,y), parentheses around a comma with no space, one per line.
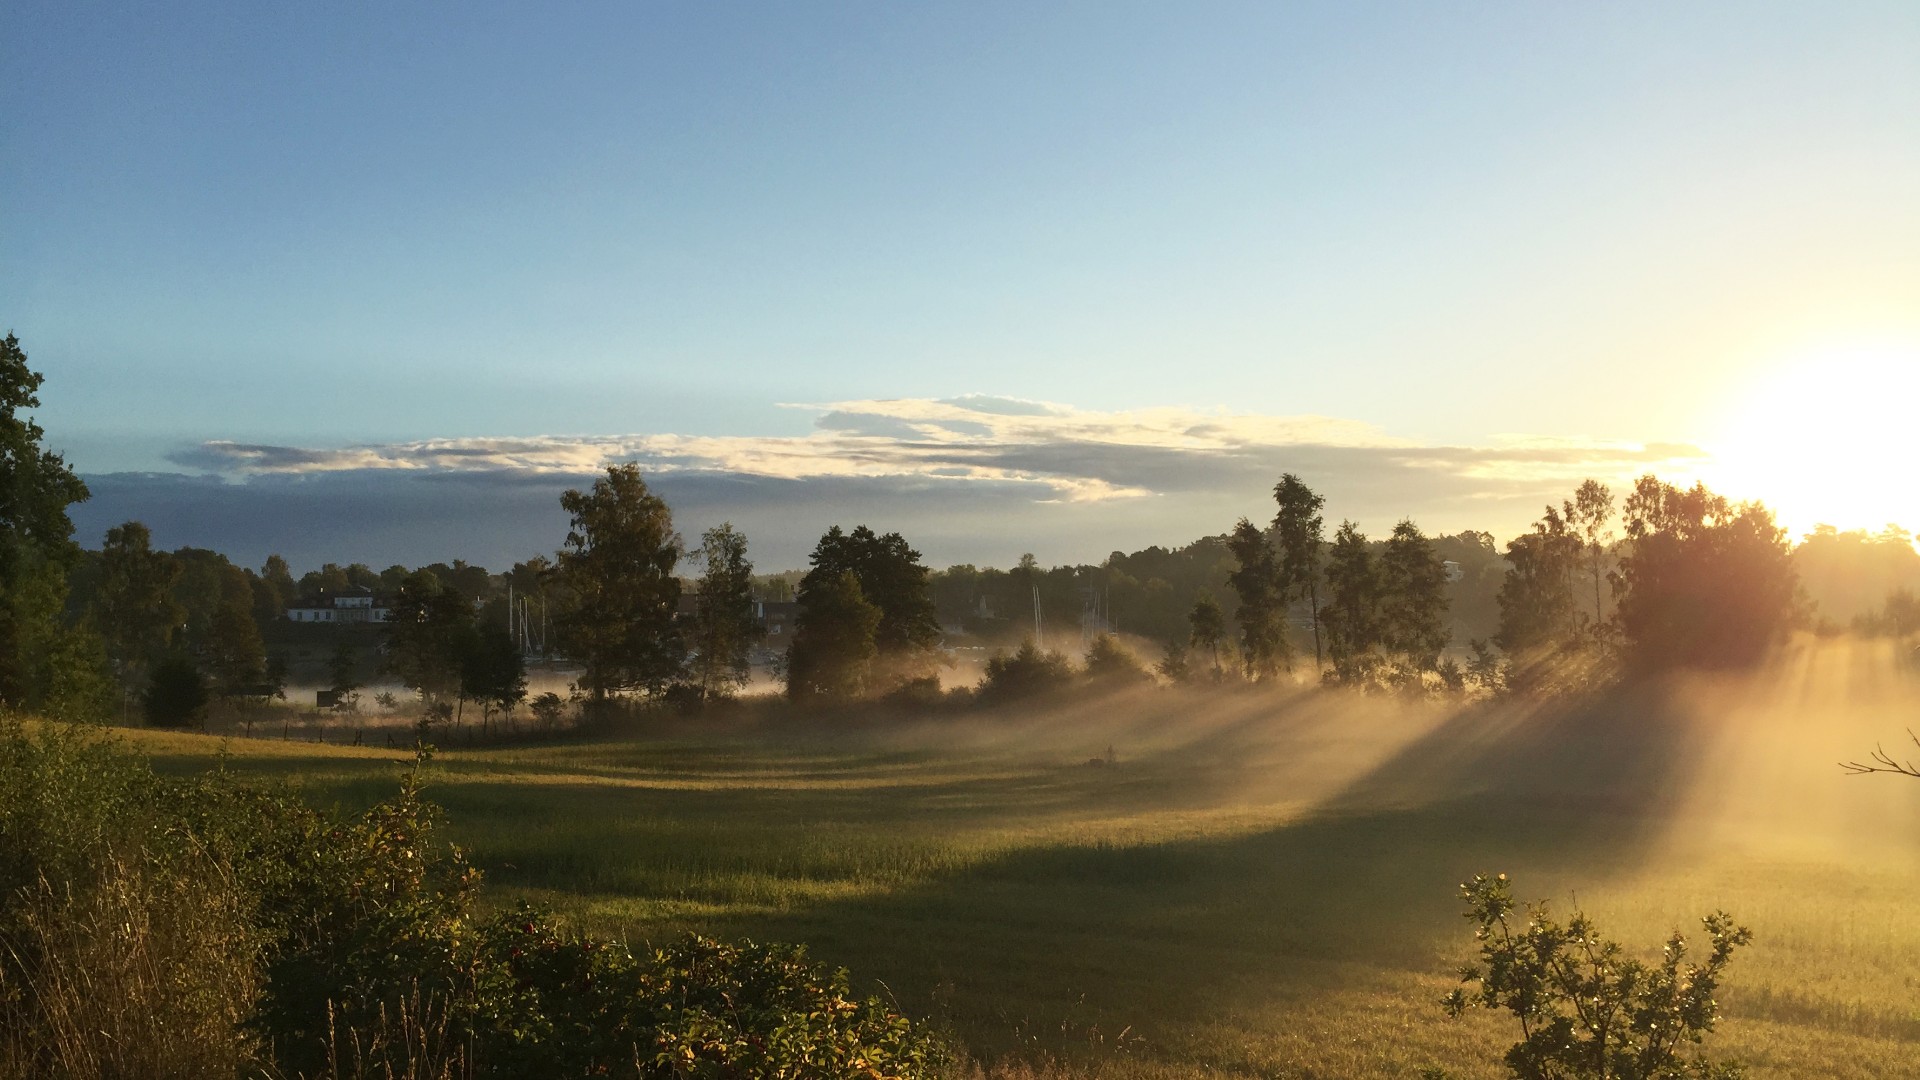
(133,600)
(1299,533)
(1262,612)
(1208,629)
(892,579)
(618,563)
(1586,1010)
(547,710)
(1029,672)
(1174,665)
(177,694)
(206,926)
(492,670)
(36,536)
(1704,582)
(426,631)
(1413,599)
(724,629)
(1109,661)
(1352,614)
(833,640)
(1537,609)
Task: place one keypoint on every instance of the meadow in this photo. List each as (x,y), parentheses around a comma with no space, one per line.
(1241,883)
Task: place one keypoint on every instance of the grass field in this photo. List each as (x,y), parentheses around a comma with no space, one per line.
(1259,885)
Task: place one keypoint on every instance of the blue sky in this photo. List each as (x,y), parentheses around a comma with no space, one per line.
(382,226)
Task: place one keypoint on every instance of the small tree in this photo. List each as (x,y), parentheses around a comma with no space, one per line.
(618,563)
(1352,614)
(1586,1010)
(1208,629)
(492,672)
(1413,587)
(1300,532)
(724,629)
(1029,672)
(177,694)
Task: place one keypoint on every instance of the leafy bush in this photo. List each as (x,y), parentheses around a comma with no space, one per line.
(214,927)
(1586,1010)
(1029,672)
(1110,662)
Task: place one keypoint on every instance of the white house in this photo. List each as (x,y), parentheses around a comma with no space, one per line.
(352,606)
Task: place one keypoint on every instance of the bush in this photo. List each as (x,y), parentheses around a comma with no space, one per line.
(1586,1010)
(1109,661)
(154,926)
(1029,672)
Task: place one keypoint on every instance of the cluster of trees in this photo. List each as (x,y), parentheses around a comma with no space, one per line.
(1690,579)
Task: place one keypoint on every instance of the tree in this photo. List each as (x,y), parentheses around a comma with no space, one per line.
(343,669)
(1413,589)
(892,579)
(1352,613)
(236,656)
(274,591)
(36,540)
(724,629)
(618,563)
(1264,648)
(1536,595)
(833,641)
(1299,531)
(1586,1010)
(427,628)
(492,670)
(1208,629)
(134,600)
(1704,582)
(177,694)
(1883,762)
(1589,516)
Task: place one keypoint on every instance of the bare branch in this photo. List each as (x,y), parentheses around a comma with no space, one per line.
(1883,762)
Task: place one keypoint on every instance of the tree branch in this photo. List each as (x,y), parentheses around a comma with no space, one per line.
(1883,762)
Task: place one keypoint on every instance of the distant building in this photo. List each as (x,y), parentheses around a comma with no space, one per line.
(1454,573)
(774,616)
(355,605)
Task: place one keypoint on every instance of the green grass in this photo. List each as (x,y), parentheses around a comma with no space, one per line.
(1262,885)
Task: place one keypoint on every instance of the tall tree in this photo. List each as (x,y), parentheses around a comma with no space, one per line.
(724,629)
(893,580)
(36,541)
(1353,605)
(1264,648)
(1207,629)
(618,564)
(833,644)
(1413,587)
(134,603)
(1537,605)
(1589,516)
(236,656)
(427,630)
(1704,582)
(1299,530)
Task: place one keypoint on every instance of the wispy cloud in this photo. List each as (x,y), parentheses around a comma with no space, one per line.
(1055,453)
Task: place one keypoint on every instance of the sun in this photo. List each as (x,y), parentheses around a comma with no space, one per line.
(1831,438)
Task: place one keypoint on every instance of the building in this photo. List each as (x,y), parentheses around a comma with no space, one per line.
(355,605)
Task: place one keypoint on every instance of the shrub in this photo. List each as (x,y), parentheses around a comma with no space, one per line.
(154,926)
(1587,1011)
(1029,672)
(1110,662)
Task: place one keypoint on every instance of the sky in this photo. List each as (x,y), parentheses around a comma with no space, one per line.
(376,283)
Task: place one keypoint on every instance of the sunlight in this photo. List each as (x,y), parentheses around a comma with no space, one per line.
(1827,439)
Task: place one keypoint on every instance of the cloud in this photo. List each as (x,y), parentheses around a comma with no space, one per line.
(972,478)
